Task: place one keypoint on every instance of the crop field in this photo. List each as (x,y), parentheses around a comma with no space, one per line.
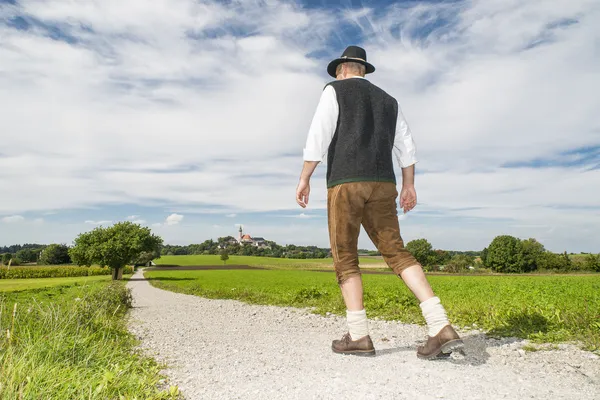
(266,262)
(540,308)
(10,285)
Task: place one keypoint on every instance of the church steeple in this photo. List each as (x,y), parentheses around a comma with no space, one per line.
(241,233)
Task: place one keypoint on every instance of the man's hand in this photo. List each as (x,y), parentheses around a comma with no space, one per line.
(302,192)
(408,198)
(303,189)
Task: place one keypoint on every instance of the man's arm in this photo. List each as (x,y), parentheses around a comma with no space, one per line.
(308,169)
(319,137)
(405,151)
(408,176)
(323,126)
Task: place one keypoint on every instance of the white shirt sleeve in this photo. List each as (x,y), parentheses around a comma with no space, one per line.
(405,149)
(322,127)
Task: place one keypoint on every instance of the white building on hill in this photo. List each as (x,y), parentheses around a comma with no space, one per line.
(247,239)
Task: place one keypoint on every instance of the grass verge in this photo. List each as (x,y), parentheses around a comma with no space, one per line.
(72,343)
(539,308)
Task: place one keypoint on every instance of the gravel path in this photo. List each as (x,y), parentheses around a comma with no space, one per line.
(225,349)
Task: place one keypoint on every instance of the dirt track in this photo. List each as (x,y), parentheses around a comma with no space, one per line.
(225,349)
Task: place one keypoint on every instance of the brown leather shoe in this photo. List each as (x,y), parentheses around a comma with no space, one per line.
(441,344)
(361,347)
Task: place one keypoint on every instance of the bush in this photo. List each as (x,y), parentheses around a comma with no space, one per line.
(55,272)
(459,263)
(558,262)
(6,257)
(27,255)
(592,262)
(55,254)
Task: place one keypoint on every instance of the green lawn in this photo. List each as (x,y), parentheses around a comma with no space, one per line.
(9,285)
(259,261)
(71,342)
(540,308)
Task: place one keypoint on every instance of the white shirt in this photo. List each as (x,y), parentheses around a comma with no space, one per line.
(324,124)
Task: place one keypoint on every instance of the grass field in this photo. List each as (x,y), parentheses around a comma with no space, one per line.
(9,285)
(262,261)
(71,342)
(539,308)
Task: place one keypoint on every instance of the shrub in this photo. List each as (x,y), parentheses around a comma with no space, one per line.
(6,257)
(55,254)
(592,262)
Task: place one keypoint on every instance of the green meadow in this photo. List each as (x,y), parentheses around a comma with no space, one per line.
(558,308)
(265,262)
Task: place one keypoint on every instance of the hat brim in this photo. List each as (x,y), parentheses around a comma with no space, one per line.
(334,64)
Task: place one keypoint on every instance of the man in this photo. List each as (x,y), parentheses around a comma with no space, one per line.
(356,129)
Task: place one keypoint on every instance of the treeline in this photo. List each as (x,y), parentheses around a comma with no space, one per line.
(53,254)
(505,254)
(272,249)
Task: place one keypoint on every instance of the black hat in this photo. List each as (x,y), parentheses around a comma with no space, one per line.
(351,54)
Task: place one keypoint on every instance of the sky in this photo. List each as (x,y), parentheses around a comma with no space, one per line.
(190,116)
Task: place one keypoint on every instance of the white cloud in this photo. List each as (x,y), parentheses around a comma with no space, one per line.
(104,222)
(300,216)
(174,219)
(473,96)
(157,224)
(12,219)
(132,217)
(38,221)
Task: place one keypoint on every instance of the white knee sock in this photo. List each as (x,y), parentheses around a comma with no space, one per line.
(357,323)
(434,315)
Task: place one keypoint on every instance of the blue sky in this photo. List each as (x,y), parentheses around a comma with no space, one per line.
(190,116)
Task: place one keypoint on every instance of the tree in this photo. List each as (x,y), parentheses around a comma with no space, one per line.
(459,263)
(115,246)
(421,249)
(6,257)
(27,255)
(224,256)
(503,254)
(592,262)
(441,257)
(146,257)
(553,261)
(55,254)
(530,252)
(483,256)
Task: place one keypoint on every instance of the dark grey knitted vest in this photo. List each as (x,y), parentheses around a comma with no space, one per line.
(361,148)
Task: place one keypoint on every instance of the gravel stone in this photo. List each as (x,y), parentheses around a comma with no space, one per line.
(226,349)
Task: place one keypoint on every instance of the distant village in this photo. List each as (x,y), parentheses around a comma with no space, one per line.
(246,239)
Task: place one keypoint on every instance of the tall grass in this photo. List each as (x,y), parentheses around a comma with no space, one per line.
(72,343)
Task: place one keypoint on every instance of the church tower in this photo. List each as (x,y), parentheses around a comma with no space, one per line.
(241,234)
